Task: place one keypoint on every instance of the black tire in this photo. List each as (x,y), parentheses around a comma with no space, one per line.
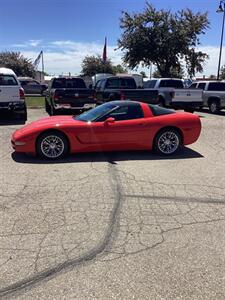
(52,111)
(52,145)
(161,102)
(214,106)
(170,136)
(47,107)
(189,109)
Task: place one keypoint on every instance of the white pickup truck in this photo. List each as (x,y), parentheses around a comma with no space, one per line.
(12,94)
(171,93)
(213,94)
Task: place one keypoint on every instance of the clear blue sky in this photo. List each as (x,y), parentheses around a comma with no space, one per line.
(30,25)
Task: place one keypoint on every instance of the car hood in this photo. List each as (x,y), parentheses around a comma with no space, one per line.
(47,123)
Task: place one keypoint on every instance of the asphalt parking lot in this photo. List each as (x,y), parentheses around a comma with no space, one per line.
(129,225)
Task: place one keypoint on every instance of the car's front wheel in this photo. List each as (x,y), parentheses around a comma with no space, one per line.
(52,145)
(167,141)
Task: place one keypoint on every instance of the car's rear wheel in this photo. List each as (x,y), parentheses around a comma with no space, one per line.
(52,145)
(214,106)
(167,141)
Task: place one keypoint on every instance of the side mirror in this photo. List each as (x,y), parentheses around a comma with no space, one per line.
(109,120)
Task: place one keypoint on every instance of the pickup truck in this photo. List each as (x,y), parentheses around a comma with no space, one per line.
(213,94)
(121,88)
(67,94)
(12,98)
(172,93)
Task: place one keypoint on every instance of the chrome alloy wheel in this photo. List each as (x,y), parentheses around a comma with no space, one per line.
(168,142)
(52,146)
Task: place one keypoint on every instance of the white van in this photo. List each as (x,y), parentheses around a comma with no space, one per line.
(12,97)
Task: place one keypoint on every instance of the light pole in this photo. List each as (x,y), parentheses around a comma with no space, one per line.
(221,9)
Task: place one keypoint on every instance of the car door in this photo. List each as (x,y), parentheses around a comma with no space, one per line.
(127,131)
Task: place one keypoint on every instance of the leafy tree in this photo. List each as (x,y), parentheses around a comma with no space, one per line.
(164,39)
(18,63)
(222,73)
(174,72)
(213,76)
(92,65)
(119,69)
(143,74)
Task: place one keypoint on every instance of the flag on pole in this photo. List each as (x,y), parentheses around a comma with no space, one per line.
(104,54)
(37,60)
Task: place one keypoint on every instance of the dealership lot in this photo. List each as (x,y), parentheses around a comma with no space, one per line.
(129,225)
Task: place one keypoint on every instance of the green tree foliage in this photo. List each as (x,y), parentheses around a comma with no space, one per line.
(92,65)
(164,39)
(18,63)
(174,72)
(222,73)
(119,69)
(143,74)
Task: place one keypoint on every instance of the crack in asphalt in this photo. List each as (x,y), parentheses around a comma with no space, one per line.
(115,182)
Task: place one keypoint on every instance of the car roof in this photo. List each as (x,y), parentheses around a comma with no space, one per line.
(124,102)
(6,71)
(26,78)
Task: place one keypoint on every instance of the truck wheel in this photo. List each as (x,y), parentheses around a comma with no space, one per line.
(161,102)
(167,141)
(190,110)
(47,107)
(214,106)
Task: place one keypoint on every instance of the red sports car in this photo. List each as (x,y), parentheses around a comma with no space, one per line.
(116,125)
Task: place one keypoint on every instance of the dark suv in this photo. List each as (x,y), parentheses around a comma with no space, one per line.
(32,86)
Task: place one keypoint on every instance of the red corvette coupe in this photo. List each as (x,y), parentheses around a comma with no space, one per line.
(116,125)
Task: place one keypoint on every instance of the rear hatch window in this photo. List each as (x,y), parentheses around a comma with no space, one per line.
(159,111)
(68,83)
(7,80)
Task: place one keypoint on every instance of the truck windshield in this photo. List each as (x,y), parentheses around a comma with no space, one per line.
(95,113)
(73,83)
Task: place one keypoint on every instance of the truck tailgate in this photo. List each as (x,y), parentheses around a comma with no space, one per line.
(187,96)
(143,95)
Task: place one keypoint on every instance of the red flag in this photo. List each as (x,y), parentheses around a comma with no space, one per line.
(104,54)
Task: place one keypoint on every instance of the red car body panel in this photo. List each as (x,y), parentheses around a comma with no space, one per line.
(136,134)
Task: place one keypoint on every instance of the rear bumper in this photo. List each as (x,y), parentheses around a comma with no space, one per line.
(183,104)
(13,106)
(81,105)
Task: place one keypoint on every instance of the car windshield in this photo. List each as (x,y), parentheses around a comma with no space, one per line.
(96,113)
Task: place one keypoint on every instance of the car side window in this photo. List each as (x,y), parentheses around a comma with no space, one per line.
(201,86)
(125,112)
(193,86)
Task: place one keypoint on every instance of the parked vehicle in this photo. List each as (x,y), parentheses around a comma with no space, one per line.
(116,125)
(12,97)
(68,93)
(32,86)
(172,93)
(213,94)
(121,88)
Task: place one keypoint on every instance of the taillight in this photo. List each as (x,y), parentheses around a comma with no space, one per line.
(122,96)
(22,94)
(56,96)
